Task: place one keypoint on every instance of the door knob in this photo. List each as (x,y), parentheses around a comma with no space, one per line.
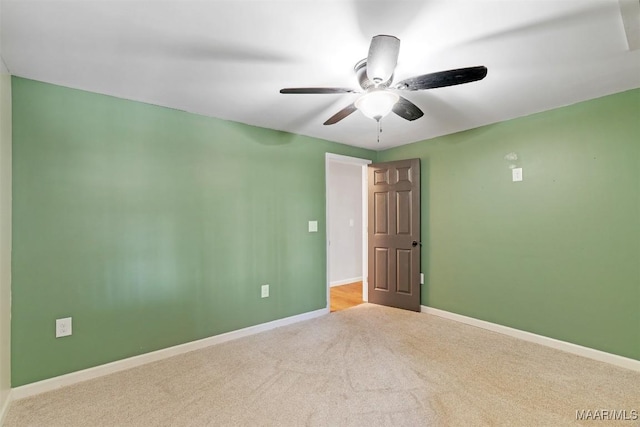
(416,243)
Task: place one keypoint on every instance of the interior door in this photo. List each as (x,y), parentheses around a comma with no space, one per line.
(394,234)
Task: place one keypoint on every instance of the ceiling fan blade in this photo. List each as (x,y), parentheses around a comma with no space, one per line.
(341,114)
(407,109)
(382,58)
(443,78)
(313,90)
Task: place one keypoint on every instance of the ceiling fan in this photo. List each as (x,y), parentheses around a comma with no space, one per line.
(375,75)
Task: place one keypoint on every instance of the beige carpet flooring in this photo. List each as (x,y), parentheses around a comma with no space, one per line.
(365,366)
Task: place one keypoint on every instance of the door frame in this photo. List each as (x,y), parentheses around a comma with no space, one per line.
(363,163)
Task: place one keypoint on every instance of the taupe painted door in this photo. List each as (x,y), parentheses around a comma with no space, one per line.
(394,234)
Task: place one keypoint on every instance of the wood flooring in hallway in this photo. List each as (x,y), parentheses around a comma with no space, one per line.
(346,296)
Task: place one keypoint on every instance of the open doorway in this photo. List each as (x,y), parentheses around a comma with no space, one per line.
(346,201)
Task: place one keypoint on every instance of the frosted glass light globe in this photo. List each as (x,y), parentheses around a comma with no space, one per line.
(377,103)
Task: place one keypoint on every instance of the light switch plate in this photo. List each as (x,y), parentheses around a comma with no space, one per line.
(422,278)
(264,291)
(313,226)
(516,174)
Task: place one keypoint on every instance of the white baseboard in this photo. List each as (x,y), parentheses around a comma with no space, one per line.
(4,408)
(345,281)
(131,362)
(590,353)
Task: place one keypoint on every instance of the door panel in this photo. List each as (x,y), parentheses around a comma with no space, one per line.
(381,268)
(403,212)
(394,224)
(381,213)
(403,270)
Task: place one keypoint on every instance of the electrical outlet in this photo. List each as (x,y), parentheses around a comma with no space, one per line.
(264,291)
(63,327)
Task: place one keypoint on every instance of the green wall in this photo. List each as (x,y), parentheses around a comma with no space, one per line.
(557,254)
(153,227)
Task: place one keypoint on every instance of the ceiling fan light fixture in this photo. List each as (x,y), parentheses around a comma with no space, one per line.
(377,104)
(375,76)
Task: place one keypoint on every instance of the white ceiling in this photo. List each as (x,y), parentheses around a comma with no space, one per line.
(229,59)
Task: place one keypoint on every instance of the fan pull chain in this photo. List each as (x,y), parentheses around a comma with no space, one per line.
(379,130)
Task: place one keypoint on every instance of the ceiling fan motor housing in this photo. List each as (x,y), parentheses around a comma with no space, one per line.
(361,73)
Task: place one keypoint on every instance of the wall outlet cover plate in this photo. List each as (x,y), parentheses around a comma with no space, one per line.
(63,327)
